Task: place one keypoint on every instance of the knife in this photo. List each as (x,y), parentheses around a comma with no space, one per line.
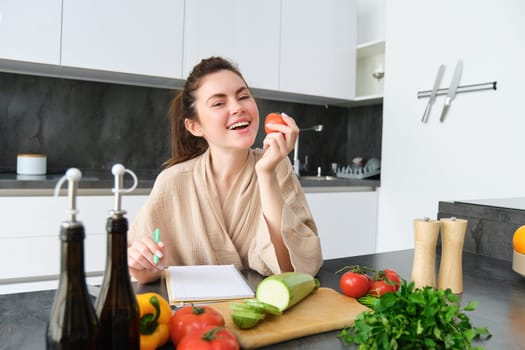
(439,76)
(452,89)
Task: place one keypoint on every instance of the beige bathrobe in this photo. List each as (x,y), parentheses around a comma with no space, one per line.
(185,206)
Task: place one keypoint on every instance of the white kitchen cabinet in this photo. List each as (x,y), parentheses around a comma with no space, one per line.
(318,40)
(29,243)
(130,36)
(371,21)
(30,30)
(29,234)
(346,222)
(370,62)
(247,32)
(291,50)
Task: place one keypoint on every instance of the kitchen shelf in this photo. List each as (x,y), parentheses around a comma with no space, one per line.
(370,58)
(371,48)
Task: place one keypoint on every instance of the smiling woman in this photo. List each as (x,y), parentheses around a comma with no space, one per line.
(219,201)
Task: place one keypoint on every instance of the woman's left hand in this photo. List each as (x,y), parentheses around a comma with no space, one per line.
(278,144)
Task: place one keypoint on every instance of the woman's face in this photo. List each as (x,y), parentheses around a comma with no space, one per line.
(227,115)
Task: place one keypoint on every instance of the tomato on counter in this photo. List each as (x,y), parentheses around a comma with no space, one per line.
(209,338)
(354,284)
(356,281)
(384,281)
(189,318)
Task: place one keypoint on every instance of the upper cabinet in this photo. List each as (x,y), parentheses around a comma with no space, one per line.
(370,63)
(247,32)
(318,40)
(291,50)
(30,30)
(130,36)
(370,21)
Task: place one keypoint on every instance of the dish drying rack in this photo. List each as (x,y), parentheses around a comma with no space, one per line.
(350,172)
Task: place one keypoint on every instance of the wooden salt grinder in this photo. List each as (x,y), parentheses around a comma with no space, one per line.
(426,233)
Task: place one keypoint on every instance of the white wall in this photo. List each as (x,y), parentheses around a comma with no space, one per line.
(479,151)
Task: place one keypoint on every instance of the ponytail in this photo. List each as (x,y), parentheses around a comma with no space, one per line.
(184,145)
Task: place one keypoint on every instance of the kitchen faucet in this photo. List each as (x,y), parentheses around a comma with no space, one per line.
(296,161)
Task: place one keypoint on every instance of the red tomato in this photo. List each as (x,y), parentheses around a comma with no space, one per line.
(354,284)
(189,318)
(272,118)
(384,281)
(378,288)
(209,338)
(393,277)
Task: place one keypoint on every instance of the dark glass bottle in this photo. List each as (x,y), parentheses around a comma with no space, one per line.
(116,305)
(72,323)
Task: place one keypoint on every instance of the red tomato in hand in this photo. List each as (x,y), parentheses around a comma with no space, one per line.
(189,318)
(354,284)
(209,338)
(272,118)
(385,281)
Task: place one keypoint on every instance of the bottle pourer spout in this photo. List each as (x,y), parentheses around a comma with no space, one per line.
(118,171)
(72,176)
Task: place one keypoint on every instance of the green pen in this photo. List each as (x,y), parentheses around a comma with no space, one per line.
(156,239)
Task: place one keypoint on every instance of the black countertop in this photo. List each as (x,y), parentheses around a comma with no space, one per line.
(97,179)
(499,290)
(517,203)
(99,182)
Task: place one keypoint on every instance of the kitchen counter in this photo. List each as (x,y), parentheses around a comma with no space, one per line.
(499,290)
(96,183)
(93,182)
(517,203)
(491,223)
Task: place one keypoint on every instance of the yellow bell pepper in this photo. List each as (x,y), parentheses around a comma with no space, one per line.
(155,315)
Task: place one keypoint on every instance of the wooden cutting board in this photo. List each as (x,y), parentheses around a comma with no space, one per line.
(322,311)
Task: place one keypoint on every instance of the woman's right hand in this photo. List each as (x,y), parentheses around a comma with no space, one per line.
(140,259)
(277,145)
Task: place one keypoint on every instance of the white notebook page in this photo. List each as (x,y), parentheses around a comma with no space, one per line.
(201,283)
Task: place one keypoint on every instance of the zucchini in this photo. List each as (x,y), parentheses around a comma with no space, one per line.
(286,289)
(245,315)
(246,318)
(264,307)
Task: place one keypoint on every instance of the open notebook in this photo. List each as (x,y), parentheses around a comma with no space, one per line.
(205,283)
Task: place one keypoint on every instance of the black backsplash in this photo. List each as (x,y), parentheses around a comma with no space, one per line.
(92,125)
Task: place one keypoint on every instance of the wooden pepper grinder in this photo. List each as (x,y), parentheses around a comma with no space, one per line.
(426,233)
(451,270)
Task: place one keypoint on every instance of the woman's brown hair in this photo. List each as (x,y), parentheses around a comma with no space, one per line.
(184,145)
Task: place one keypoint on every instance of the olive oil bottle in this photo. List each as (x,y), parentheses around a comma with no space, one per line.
(72,323)
(116,305)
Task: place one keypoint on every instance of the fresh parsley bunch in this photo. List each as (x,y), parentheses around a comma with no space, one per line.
(410,318)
